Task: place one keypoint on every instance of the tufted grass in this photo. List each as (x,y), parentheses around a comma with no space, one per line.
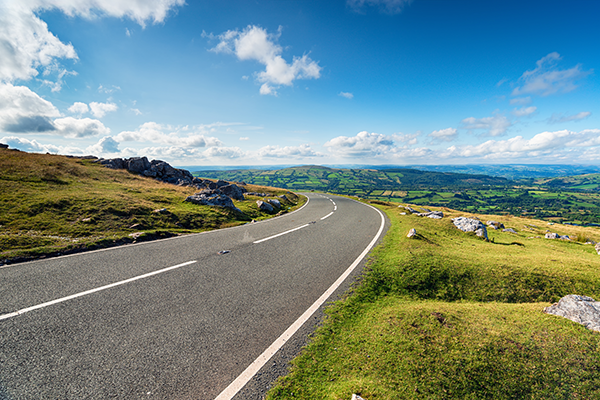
(450,316)
(53,204)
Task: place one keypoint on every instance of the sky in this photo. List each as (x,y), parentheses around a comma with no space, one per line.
(284,82)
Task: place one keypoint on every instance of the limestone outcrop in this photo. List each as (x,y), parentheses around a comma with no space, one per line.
(470,225)
(581,309)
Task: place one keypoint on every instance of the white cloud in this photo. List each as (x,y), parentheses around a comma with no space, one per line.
(410,139)
(524,111)
(244,138)
(560,118)
(254,43)
(346,95)
(546,79)
(297,152)
(106,145)
(495,126)
(136,111)
(99,110)
(388,6)
(521,101)
(23,111)
(363,145)
(33,146)
(156,133)
(108,90)
(446,135)
(79,108)
(77,128)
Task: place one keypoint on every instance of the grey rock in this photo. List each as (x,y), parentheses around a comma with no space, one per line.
(356,397)
(432,214)
(470,225)
(597,248)
(160,210)
(283,197)
(275,203)
(137,235)
(264,206)
(412,233)
(581,309)
(232,190)
(212,198)
(138,164)
(511,230)
(3,146)
(495,225)
(552,235)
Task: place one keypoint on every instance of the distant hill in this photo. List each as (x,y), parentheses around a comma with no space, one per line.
(354,181)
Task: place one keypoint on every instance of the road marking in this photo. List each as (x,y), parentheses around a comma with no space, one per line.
(74,296)
(280,234)
(326,216)
(253,368)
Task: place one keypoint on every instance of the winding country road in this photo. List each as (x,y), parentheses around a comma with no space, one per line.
(175,318)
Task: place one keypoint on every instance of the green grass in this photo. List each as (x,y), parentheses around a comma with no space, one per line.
(55,204)
(450,316)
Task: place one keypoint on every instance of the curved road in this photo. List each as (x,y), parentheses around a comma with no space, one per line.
(172,319)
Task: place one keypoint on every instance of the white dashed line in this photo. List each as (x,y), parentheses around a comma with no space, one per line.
(74,296)
(326,216)
(280,234)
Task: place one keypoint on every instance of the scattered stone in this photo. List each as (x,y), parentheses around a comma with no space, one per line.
(136,226)
(552,235)
(470,225)
(232,190)
(511,230)
(264,206)
(597,248)
(136,235)
(495,225)
(412,233)
(432,214)
(283,197)
(356,397)
(224,251)
(86,220)
(160,211)
(425,210)
(402,213)
(581,309)
(590,242)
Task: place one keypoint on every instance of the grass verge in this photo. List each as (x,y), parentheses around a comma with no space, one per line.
(450,316)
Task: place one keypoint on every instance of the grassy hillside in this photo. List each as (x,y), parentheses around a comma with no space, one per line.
(448,315)
(54,204)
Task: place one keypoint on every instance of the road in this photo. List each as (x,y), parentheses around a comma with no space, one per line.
(179,318)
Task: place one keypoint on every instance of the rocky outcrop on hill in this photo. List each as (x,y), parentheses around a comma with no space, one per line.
(470,225)
(495,225)
(552,235)
(581,309)
(217,193)
(432,214)
(264,206)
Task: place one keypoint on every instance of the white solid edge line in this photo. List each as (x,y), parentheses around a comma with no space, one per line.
(328,215)
(74,296)
(280,234)
(253,368)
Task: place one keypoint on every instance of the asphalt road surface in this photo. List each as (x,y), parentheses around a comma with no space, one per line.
(179,318)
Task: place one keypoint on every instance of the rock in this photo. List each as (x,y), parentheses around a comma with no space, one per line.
(356,397)
(160,211)
(212,198)
(402,213)
(138,164)
(495,225)
(283,197)
(552,235)
(511,230)
(581,309)
(3,146)
(432,214)
(136,226)
(412,233)
(275,203)
(232,190)
(136,235)
(470,225)
(597,248)
(264,206)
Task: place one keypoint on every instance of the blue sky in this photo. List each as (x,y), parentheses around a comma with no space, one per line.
(303,82)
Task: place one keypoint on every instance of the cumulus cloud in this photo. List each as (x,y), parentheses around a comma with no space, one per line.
(363,145)
(254,43)
(346,95)
(99,110)
(560,118)
(546,79)
(494,126)
(297,152)
(33,146)
(23,111)
(387,6)
(26,44)
(166,135)
(409,139)
(106,145)
(446,135)
(77,128)
(79,108)
(520,101)
(524,111)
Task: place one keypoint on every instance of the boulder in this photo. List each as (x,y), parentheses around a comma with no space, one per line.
(3,146)
(212,198)
(470,225)
(432,214)
(412,233)
(264,206)
(581,309)
(511,230)
(232,190)
(137,164)
(597,247)
(552,235)
(275,203)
